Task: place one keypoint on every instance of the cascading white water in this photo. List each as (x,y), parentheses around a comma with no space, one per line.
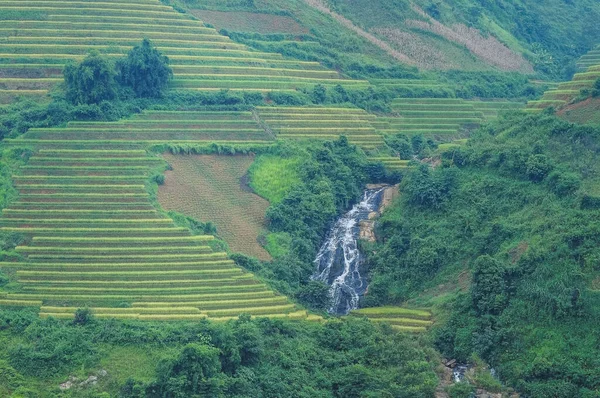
(338,260)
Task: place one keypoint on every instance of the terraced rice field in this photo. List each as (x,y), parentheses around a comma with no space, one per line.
(154,128)
(94,239)
(565,92)
(592,58)
(34,49)
(303,123)
(401,319)
(211,188)
(440,117)
(391,162)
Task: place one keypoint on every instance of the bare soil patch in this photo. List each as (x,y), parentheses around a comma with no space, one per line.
(210,188)
(242,21)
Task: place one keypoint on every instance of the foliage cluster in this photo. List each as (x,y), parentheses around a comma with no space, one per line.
(241,358)
(514,210)
(143,73)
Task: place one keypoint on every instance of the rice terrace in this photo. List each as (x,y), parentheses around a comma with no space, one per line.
(299,198)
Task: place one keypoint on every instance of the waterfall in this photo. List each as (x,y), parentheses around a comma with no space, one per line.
(338,261)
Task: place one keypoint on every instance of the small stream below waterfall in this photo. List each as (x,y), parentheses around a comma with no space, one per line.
(339,261)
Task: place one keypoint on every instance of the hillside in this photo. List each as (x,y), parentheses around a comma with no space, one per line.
(449,34)
(184,185)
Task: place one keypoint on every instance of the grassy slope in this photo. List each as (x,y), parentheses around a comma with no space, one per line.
(530,27)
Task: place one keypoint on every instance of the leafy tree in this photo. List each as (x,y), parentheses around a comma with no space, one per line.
(145,70)
(319,94)
(430,188)
(488,287)
(193,373)
(90,82)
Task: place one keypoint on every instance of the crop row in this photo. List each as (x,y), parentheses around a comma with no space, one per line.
(191,115)
(392,312)
(316,116)
(96,154)
(183,71)
(111,31)
(214,265)
(157,289)
(197,285)
(195,238)
(311,110)
(207,305)
(64,38)
(110,250)
(349,123)
(143,297)
(74,49)
(79,205)
(169,125)
(32,4)
(97,9)
(434,107)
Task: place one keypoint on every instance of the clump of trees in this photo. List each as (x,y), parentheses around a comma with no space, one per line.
(143,73)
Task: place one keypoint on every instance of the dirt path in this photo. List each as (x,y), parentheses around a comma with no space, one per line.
(319,5)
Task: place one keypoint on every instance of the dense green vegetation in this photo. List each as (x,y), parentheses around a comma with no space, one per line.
(327,179)
(242,358)
(516,209)
(490,254)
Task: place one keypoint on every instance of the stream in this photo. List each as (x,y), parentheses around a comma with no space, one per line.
(338,262)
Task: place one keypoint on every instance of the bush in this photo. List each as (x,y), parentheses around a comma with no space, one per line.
(315,294)
(3,279)
(563,183)
(83,316)
(145,70)
(538,167)
(159,179)
(461,390)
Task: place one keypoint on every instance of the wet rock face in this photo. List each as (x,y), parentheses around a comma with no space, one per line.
(367,227)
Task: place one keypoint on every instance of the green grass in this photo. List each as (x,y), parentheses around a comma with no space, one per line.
(272,176)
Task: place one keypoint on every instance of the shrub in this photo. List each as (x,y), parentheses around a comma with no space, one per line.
(159,179)
(538,167)
(563,183)
(82,316)
(3,279)
(461,390)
